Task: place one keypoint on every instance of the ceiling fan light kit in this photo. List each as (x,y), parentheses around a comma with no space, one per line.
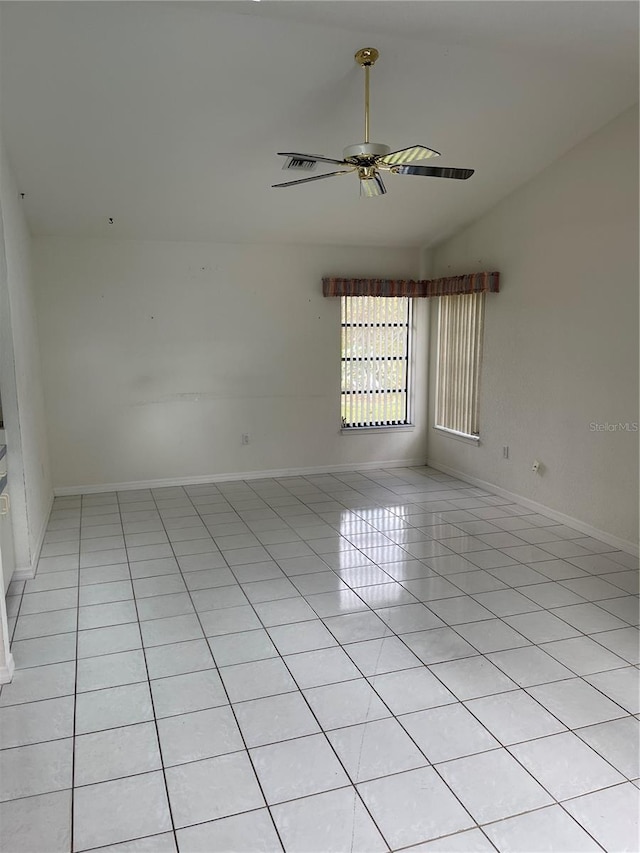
(368,159)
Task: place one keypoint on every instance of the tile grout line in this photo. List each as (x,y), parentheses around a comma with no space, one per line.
(215,667)
(148,683)
(75,702)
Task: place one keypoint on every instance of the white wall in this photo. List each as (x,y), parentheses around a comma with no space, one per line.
(29,486)
(561,339)
(158,356)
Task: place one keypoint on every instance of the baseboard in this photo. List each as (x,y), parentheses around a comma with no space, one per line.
(61,491)
(587,529)
(26,573)
(6,672)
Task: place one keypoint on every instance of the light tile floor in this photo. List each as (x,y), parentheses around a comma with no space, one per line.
(349,662)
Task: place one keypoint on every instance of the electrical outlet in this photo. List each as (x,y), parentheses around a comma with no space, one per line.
(245,438)
(536,466)
(505,452)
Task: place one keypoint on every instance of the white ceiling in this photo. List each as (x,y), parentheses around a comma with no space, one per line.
(167,116)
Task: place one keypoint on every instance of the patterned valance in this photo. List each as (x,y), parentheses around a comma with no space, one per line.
(477,282)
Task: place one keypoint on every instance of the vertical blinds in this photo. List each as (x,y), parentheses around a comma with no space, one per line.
(460,332)
(375,360)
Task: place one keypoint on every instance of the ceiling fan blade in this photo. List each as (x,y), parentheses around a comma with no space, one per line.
(313,157)
(408,155)
(435,172)
(314,178)
(371,187)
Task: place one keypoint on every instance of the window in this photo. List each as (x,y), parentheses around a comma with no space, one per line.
(376,337)
(460,330)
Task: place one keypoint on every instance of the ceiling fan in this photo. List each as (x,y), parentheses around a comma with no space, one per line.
(368,159)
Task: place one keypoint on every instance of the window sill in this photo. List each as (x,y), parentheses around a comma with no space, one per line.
(458,436)
(392,428)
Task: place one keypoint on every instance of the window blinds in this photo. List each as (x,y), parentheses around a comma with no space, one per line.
(375,360)
(460,333)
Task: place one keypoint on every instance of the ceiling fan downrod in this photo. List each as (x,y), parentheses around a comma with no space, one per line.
(366,153)
(366,57)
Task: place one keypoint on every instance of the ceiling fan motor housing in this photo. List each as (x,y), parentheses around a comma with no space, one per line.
(365,153)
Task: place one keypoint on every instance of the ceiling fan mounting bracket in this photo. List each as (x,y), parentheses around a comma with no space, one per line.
(367,56)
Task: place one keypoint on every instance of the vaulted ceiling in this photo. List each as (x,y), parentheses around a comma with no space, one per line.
(167,116)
